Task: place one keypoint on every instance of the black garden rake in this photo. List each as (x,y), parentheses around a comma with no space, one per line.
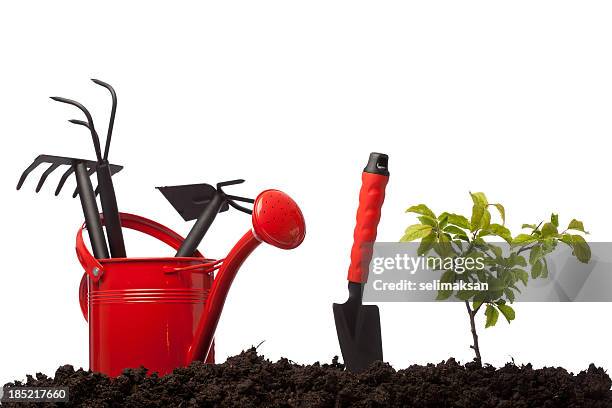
(83,169)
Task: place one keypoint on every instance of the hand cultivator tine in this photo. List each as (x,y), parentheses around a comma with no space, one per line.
(90,124)
(229,183)
(92,170)
(93,131)
(63,179)
(111,121)
(231,200)
(80,122)
(37,161)
(239,207)
(44,176)
(243,199)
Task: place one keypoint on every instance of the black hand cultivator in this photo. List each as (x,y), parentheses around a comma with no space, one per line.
(202,202)
(83,169)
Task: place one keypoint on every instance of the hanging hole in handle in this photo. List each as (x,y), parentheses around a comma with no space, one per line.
(378,163)
(383,162)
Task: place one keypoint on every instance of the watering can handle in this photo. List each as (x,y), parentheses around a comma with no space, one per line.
(94,269)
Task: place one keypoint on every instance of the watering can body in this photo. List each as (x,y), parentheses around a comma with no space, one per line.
(142,311)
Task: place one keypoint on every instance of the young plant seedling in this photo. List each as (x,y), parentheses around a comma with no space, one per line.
(451,235)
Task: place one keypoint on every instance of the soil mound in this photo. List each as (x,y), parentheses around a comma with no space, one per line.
(249,380)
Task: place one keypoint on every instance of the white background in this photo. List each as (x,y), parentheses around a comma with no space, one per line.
(512,99)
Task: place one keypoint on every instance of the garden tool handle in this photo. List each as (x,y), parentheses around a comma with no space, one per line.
(110,211)
(371,197)
(90,211)
(201,226)
(131,221)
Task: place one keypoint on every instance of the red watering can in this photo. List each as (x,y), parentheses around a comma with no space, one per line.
(162,313)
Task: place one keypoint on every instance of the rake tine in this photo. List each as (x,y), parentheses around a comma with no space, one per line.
(92,129)
(63,179)
(44,176)
(27,171)
(89,173)
(97,191)
(111,121)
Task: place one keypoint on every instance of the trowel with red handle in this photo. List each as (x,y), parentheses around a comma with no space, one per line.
(358,325)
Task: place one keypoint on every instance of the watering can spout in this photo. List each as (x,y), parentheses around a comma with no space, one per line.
(278,221)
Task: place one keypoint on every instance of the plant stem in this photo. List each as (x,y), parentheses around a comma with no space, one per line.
(475,346)
(524,248)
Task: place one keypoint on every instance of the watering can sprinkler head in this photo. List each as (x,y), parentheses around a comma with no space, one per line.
(277,220)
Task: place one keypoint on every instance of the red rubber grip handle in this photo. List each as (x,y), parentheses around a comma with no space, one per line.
(371,197)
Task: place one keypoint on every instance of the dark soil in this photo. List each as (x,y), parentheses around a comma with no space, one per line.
(249,380)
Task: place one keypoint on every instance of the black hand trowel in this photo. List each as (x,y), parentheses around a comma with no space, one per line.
(358,325)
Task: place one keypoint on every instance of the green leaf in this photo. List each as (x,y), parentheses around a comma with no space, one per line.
(566,238)
(502,212)
(531,226)
(477,214)
(536,270)
(456,219)
(509,294)
(479,199)
(498,230)
(554,219)
(443,221)
(447,277)
(549,230)
(582,251)
(426,244)
(451,229)
(416,231)
(425,220)
(496,250)
(421,209)
(518,259)
(522,275)
(549,245)
(479,299)
(492,315)
(544,273)
(507,311)
(486,219)
(465,294)
(495,284)
(576,226)
(462,237)
(535,254)
(523,239)
(443,247)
